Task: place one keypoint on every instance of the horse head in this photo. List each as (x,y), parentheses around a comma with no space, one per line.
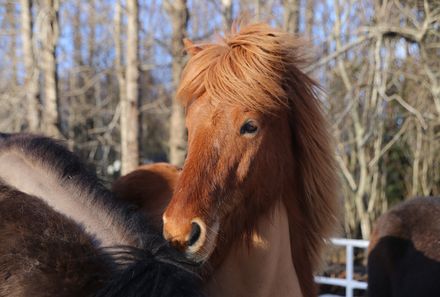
(256,136)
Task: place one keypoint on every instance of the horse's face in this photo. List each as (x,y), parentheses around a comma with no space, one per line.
(230,148)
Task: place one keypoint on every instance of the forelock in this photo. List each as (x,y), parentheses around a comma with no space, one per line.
(250,67)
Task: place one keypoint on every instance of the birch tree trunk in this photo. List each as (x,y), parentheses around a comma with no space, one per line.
(49,40)
(31,79)
(129,103)
(291,15)
(118,50)
(227,15)
(178,13)
(11,25)
(258,4)
(92,33)
(77,39)
(309,16)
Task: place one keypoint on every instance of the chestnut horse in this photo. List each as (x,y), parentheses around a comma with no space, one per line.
(404,251)
(257,196)
(58,224)
(150,188)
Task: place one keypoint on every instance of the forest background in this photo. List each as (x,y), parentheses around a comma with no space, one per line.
(101,74)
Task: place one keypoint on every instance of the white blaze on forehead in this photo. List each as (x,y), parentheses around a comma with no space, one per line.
(40,181)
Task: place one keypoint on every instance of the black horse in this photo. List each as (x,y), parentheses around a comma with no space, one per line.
(62,233)
(404,251)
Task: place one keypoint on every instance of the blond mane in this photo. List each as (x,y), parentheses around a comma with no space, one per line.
(259,67)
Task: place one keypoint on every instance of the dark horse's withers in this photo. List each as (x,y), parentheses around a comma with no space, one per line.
(404,251)
(58,224)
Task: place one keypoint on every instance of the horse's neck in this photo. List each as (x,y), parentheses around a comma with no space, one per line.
(264,269)
(34,179)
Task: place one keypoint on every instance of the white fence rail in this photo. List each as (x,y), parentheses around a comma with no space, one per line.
(349,283)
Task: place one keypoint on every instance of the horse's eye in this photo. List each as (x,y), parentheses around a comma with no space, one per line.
(249,127)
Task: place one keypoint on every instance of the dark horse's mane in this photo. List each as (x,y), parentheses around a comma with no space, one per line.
(146,267)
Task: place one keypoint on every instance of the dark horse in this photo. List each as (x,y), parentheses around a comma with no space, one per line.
(63,234)
(404,251)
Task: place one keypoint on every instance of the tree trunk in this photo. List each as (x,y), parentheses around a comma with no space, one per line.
(258,8)
(77,39)
(309,19)
(291,15)
(178,12)
(227,15)
(31,79)
(11,25)
(93,93)
(129,104)
(92,33)
(118,51)
(50,33)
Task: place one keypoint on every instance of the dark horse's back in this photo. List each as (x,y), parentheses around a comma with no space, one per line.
(404,252)
(42,253)
(46,253)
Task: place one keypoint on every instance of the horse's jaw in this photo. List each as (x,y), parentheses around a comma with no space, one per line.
(264,269)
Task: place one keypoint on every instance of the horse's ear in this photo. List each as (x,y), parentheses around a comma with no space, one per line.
(190,47)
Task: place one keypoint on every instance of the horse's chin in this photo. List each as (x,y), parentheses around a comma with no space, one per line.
(197,258)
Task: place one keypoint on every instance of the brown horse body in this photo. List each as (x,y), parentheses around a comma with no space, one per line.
(259,160)
(58,225)
(404,251)
(150,188)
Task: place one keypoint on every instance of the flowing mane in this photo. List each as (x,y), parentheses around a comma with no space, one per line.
(259,67)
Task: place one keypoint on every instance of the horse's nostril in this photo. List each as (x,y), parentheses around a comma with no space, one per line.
(195,233)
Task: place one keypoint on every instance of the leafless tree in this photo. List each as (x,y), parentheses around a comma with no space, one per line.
(130,103)
(178,13)
(227,14)
(291,15)
(49,31)
(372,110)
(32,71)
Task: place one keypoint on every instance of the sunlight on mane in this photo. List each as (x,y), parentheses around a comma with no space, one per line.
(249,66)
